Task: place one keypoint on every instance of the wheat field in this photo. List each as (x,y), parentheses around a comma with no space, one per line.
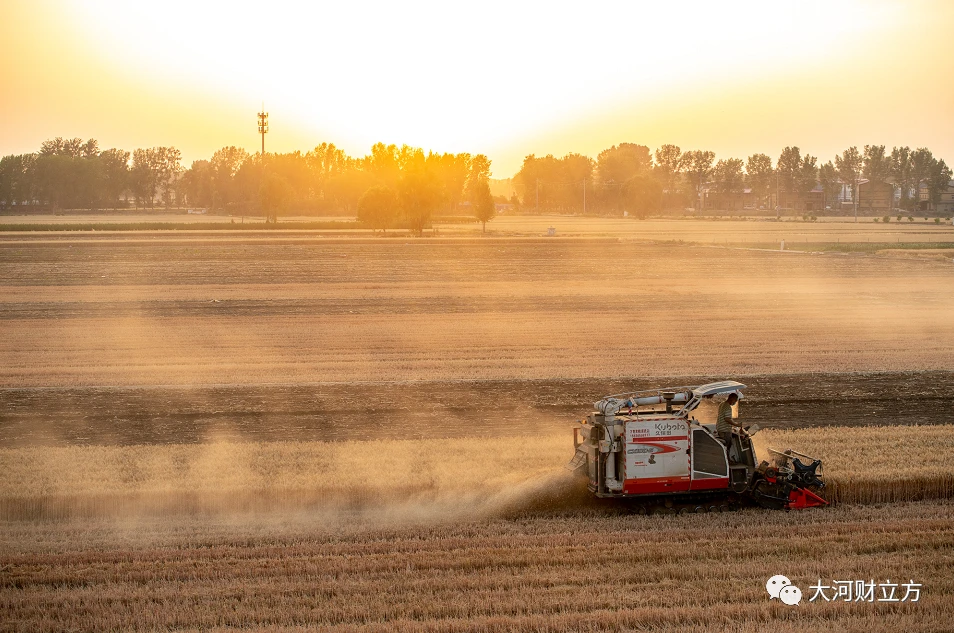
(152,495)
(420,479)
(471,534)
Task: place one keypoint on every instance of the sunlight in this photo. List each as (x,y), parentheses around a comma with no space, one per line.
(364,72)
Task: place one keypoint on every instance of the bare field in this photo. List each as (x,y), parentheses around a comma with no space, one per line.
(78,312)
(753,231)
(793,230)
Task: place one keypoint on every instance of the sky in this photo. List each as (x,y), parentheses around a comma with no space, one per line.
(506,79)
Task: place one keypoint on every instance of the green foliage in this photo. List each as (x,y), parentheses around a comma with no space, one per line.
(886,219)
(759,175)
(483,204)
(728,176)
(643,195)
(828,177)
(419,191)
(620,163)
(378,208)
(274,195)
(668,168)
(698,167)
(849,165)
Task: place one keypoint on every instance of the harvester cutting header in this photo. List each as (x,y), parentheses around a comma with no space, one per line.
(646,446)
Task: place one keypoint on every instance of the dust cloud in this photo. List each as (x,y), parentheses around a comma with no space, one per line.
(325,484)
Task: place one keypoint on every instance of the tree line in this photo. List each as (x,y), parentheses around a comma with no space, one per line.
(629,177)
(402,186)
(391,186)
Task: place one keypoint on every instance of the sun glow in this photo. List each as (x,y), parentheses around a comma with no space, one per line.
(504,79)
(427,75)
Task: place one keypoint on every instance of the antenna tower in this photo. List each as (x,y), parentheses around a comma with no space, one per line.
(263,127)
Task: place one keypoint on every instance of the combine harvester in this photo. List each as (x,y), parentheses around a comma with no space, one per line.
(641,447)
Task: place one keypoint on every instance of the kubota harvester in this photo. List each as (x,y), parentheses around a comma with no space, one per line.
(647,447)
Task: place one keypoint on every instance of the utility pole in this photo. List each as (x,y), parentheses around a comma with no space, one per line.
(854,198)
(536,204)
(584,196)
(778,200)
(263,130)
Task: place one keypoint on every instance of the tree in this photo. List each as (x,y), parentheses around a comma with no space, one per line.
(728,177)
(378,207)
(454,172)
(620,163)
(90,149)
(939,181)
(483,204)
(72,147)
(901,173)
(197,184)
(223,167)
(643,194)
(419,192)
(478,176)
(797,174)
(807,174)
(52,147)
(849,165)
(831,185)
(877,168)
(923,165)
(788,165)
(115,174)
(668,167)
(147,174)
(759,175)
(168,172)
(273,196)
(698,166)
(15,179)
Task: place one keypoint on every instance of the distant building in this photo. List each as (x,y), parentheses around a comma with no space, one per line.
(946,205)
(875,197)
(813,200)
(735,201)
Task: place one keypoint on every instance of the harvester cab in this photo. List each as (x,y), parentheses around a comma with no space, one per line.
(647,446)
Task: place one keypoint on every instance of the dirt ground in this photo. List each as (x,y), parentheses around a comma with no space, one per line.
(123,342)
(81,312)
(335,412)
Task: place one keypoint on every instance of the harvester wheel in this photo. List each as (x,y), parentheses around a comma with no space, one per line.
(683,511)
(700,509)
(712,509)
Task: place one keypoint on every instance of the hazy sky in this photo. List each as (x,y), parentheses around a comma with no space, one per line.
(507,79)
